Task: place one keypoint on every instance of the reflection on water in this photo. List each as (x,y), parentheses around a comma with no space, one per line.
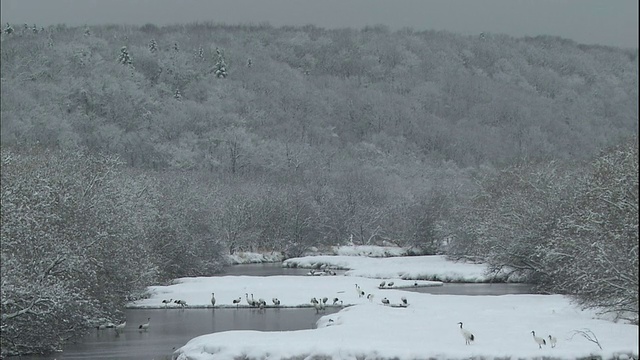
(476,289)
(172,328)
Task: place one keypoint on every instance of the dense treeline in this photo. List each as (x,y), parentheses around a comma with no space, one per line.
(133,155)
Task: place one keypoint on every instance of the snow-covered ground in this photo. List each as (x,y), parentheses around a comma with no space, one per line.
(254,258)
(426,328)
(292,291)
(405,267)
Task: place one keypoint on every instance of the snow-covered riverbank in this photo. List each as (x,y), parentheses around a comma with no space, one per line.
(360,250)
(292,291)
(404,267)
(426,328)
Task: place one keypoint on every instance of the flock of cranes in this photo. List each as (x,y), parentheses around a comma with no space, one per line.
(319,304)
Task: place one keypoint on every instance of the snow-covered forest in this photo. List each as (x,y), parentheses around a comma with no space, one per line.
(136,155)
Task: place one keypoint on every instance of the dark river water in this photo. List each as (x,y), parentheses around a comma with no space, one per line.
(173,328)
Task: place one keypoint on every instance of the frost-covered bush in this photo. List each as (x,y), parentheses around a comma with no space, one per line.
(73,231)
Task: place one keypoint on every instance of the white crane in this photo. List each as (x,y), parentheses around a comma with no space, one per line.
(370,297)
(404,301)
(237,301)
(276,301)
(182,303)
(390,284)
(144,326)
(252,301)
(165,302)
(466,334)
(121,326)
(335,301)
(553,341)
(385,301)
(540,341)
(213,299)
(382,284)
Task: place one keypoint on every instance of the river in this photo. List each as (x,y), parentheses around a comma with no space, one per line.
(172,328)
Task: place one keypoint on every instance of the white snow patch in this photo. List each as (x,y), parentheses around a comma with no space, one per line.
(434,267)
(426,328)
(292,291)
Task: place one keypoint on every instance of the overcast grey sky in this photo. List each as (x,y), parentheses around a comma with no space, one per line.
(606,22)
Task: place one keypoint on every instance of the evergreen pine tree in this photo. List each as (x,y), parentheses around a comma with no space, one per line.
(153,46)
(249,62)
(8,29)
(177,95)
(125,58)
(220,68)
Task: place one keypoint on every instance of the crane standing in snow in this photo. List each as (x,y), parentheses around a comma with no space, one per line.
(540,341)
(466,334)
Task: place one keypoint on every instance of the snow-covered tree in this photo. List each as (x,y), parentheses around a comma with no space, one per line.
(72,245)
(124,57)
(153,46)
(177,95)
(220,68)
(201,53)
(594,252)
(34,29)
(176,48)
(249,62)
(87,32)
(8,29)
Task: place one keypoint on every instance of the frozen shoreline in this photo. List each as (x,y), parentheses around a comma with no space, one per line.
(425,328)
(432,267)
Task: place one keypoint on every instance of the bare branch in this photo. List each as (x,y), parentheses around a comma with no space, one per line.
(587,334)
